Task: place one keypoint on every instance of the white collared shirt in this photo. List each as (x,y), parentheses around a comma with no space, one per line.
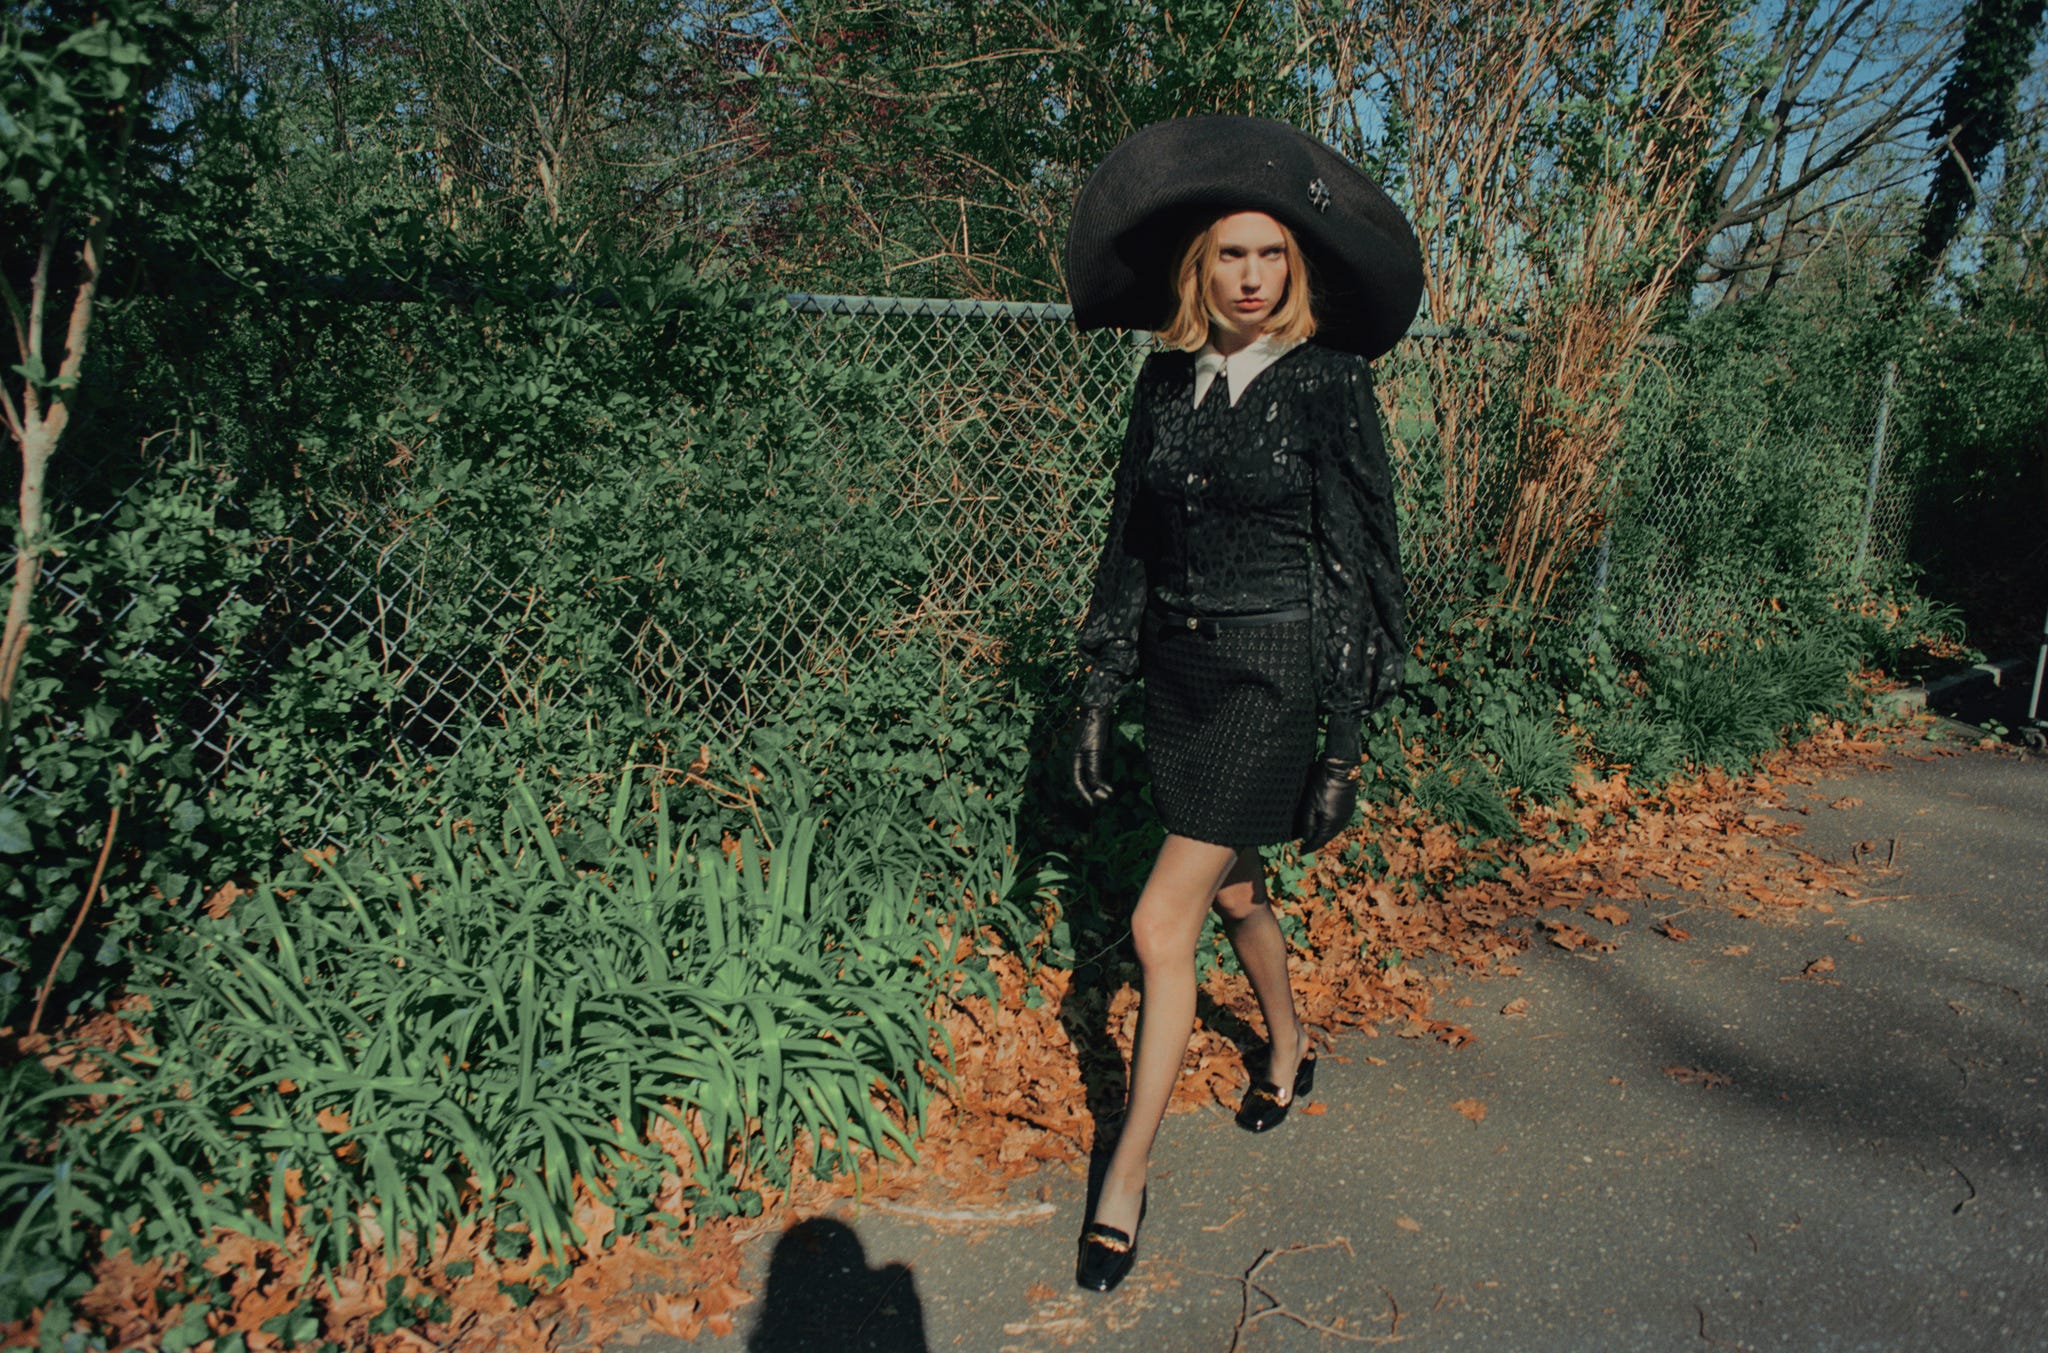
(1238,368)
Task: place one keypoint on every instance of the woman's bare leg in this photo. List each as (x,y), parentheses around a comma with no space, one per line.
(1249,924)
(1166,927)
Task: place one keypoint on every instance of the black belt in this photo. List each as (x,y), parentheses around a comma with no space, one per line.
(1213,625)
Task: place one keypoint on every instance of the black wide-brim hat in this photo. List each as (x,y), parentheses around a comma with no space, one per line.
(1166,181)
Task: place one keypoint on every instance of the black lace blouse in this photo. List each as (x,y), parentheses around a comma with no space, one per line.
(1282,499)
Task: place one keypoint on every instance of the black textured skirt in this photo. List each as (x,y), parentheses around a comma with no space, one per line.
(1230,728)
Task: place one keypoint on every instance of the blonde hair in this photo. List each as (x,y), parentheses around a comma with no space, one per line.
(1292,321)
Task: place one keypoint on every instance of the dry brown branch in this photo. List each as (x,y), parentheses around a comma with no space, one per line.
(99,871)
(1588,325)
(1518,236)
(1522,224)
(1468,94)
(1248,1283)
(973,1216)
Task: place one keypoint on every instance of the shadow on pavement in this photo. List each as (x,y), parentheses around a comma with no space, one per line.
(1988,705)
(1929,1030)
(1907,1072)
(822,1294)
(1099,857)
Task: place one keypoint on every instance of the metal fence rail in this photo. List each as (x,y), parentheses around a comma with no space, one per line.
(989,446)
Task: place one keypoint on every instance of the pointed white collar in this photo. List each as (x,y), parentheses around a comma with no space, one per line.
(1238,369)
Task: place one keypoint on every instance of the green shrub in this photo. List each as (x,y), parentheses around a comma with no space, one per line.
(521,1005)
(1719,714)
(43,1202)
(1742,480)
(1727,707)
(1495,677)
(1892,623)
(1810,673)
(216,663)
(1466,792)
(1629,738)
(1536,757)
(148,620)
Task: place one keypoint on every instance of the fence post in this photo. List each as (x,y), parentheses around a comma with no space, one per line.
(1599,607)
(1884,423)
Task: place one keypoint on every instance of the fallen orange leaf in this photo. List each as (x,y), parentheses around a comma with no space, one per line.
(1816,971)
(724,1297)
(674,1315)
(223,898)
(1700,1076)
(1471,1108)
(1565,935)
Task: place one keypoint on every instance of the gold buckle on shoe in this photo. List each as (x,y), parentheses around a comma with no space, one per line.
(1099,1234)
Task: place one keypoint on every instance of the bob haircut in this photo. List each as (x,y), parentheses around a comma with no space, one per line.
(1293,320)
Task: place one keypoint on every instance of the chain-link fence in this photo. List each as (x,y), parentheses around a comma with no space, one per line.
(988,443)
(1008,417)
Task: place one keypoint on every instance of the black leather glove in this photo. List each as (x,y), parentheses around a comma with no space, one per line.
(1329,802)
(1091,755)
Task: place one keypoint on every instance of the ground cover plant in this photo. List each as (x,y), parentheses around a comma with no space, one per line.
(491,1026)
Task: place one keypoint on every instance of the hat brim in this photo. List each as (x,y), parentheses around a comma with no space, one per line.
(1164,182)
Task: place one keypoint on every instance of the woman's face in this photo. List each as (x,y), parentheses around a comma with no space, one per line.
(1248,280)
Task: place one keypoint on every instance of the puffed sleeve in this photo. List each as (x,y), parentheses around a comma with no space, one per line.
(1109,634)
(1358,598)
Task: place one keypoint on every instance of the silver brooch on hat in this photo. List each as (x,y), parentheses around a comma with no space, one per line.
(1319,194)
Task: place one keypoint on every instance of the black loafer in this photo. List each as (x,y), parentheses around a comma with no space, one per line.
(1263,1109)
(1107,1255)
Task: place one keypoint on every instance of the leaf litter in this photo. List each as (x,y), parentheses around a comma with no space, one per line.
(1015,1102)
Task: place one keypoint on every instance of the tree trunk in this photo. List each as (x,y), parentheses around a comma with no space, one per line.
(37,425)
(1976,109)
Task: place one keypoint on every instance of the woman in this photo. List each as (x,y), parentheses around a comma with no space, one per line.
(1251,574)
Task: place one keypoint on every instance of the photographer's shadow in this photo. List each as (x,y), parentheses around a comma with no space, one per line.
(822,1294)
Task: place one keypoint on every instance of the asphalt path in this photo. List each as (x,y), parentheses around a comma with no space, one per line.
(1711,1143)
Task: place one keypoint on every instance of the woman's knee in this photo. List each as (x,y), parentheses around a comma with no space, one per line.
(1240,900)
(1242,894)
(1160,930)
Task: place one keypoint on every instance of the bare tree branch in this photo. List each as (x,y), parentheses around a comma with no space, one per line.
(1841,82)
